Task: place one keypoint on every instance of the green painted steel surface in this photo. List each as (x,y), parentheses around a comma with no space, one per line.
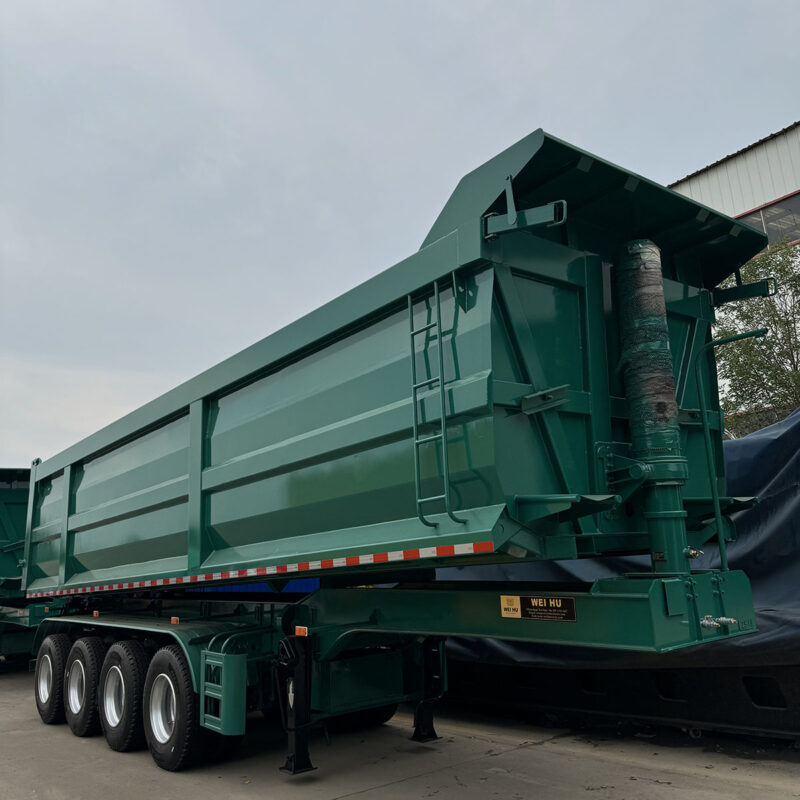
(634,613)
(193,631)
(223,692)
(18,620)
(299,450)
(18,625)
(366,641)
(13,506)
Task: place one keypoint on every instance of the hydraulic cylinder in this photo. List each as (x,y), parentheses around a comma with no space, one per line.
(652,408)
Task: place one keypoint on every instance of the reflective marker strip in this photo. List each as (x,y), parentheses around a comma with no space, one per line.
(440,551)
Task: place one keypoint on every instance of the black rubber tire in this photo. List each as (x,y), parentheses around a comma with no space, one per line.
(56,648)
(130,658)
(87,652)
(184,744)
(359,720)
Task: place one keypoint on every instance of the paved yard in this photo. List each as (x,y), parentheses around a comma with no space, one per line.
(475,758)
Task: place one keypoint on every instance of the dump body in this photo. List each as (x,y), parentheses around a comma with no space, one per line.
(18,617)
(298,454)
(482,401)
(14,488)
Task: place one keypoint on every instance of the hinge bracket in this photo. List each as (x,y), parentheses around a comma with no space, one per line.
(624,475)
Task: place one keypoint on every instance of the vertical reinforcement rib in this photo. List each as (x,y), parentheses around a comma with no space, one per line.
(653,410)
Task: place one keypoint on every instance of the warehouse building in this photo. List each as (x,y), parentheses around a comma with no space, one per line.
(759,184)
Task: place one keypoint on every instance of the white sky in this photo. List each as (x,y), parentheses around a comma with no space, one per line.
(179,179)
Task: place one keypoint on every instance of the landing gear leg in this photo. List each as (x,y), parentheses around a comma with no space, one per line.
(295,658)
(433,688)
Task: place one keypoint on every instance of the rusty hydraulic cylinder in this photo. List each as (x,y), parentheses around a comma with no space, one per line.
(652,408)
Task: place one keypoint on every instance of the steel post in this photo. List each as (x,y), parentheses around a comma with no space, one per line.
(295,658)
(433,689)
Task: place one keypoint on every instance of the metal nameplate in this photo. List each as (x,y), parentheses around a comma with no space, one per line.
(538,607)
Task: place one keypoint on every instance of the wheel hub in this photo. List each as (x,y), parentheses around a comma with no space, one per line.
(162,708)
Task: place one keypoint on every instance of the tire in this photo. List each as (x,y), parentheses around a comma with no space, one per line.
(81,678)
(381,715)
(171,711)
(48,682)
(359,720)
(119,695)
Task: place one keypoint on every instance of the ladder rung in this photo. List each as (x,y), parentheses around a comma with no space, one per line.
(424,328)
(440,385)
(430,499)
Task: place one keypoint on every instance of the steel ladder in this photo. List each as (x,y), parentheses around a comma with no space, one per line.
(434,324)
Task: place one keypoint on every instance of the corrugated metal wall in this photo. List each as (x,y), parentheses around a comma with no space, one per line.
(754,177)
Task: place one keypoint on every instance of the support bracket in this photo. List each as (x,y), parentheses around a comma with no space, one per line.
(548,215)
(547,398)
(745,291)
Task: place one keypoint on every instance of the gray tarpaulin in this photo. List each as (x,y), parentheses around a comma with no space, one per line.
(765,464)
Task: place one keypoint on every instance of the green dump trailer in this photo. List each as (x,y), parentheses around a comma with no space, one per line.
(536,382)
(19,616)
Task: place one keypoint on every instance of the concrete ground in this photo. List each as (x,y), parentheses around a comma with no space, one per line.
(475,757)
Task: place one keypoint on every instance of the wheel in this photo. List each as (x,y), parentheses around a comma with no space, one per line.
(48,679)
(171,710)
(379,716)
(358,720)
(119,696)
(81,679)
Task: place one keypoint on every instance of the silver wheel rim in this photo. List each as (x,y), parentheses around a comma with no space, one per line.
(113,696)
(162,708)
(76,686)
(44,683)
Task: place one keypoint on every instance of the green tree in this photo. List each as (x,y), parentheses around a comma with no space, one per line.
(759,374)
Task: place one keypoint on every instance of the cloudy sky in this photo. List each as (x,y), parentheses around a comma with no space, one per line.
(179,179)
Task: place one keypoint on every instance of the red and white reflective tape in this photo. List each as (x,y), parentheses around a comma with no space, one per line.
(440,551)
